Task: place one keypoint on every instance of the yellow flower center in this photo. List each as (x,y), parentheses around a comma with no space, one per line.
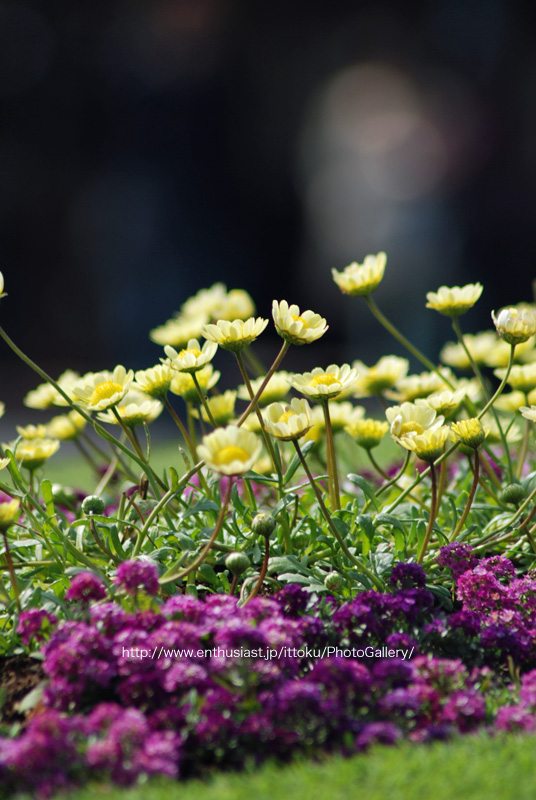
(103,391)
(410,427)
(286,416)
(231,453)
(325,379)
(193,351)
(296,318)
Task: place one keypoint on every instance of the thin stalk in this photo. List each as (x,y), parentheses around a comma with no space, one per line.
(376,466)
(374,578)
(86,456)
(433,512)
(502,384)
(279,358)
(204,402)
(176,576)
(262,575)
(382,319)
(334,491)
(265,436)
(11,570)
(523,450)
(476,475)
(178,422)
(153,478)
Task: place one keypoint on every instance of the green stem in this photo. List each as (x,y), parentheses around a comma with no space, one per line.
(11,569)
(461,521)
(204,402)
(502,384)
(376,465)
(279,358)
(265,436)
(523,451)
(382,319)
(334,492)
(262,575)
(372,577)
(433,512)
(176,576)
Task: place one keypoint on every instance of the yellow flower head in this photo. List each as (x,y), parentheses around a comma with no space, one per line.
(367,433)
(237,304)
(33,453)
(134,409)
(9,513)
(428,446)
(510,401)
(98,391)
(275,390)
(499,355)
(234,335)
(66,426)
(288,422)
(222,408)
(193,357)
(295,327)
(340,414)
(383,375)
(230,450)
(178,331)
(154,381)
(324,384)
(446,403)
(2,409)
(521,377)
(411,387)
(206,302)
(361,279)
(515,325)
(2,293)
(454,301)
(470,432)
(32,431)
(411,420)
(183,384)
(46,395)
(480,345)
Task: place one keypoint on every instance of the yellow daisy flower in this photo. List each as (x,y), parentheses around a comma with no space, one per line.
(470,432)
(411,387)
(178,331)
(288,422)
(222,408)
(237,304)
(521,378)
(191,358)
(340,414)
(33,453)
(480,345)
(275,390)
(510,401)
(32,431)
(515,325)
(454,301)
(411,420)
(98,391)
(182,383)
(230,450)
(206,302)
(445,403)
(324,384)
(428,446)
(155,381)
(383,375)
(295,327)
(367,433)
(234,335)
(361,279)
(134,409)
(46,395)
(9,513)
(66,426)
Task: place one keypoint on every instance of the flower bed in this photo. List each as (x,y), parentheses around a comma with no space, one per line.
(269,594)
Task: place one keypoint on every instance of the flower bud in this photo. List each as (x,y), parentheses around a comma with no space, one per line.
(237,563)
(513,494)
(333,581)
(93,504)
(515,326)
(263,524)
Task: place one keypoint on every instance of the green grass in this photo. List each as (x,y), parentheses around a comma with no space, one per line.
(472,768)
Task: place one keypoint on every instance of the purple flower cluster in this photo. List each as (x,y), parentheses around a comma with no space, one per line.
(204,683)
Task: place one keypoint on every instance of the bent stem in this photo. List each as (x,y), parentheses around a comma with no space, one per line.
(177,576)
(262,575)
(279,358)
(334,492)
(204,402)
(433,512)
(382,319)
(372,577)
(476,476)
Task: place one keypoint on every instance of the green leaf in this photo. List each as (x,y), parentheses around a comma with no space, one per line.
(365,487)
(280,563)
(367,526)
(114,536)
(208,574)
(202,505)
(174,479)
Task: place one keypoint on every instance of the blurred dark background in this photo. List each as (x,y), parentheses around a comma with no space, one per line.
(151,148)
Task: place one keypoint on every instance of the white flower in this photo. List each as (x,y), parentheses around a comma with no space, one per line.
(361,279)
(234,335)
(230,450)
(297,328)
(515,325)
(193,357)
(288,422)
(455,300)
(411,420)
(98,391)
(324,384)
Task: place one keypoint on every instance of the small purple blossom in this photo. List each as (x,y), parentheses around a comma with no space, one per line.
(136,576)
(34,623)
(86,587)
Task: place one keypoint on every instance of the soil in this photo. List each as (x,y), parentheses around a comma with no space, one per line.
(18,676)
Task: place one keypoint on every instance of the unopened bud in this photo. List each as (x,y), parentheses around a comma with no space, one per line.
(263,524)
(93,504)
(237,563)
